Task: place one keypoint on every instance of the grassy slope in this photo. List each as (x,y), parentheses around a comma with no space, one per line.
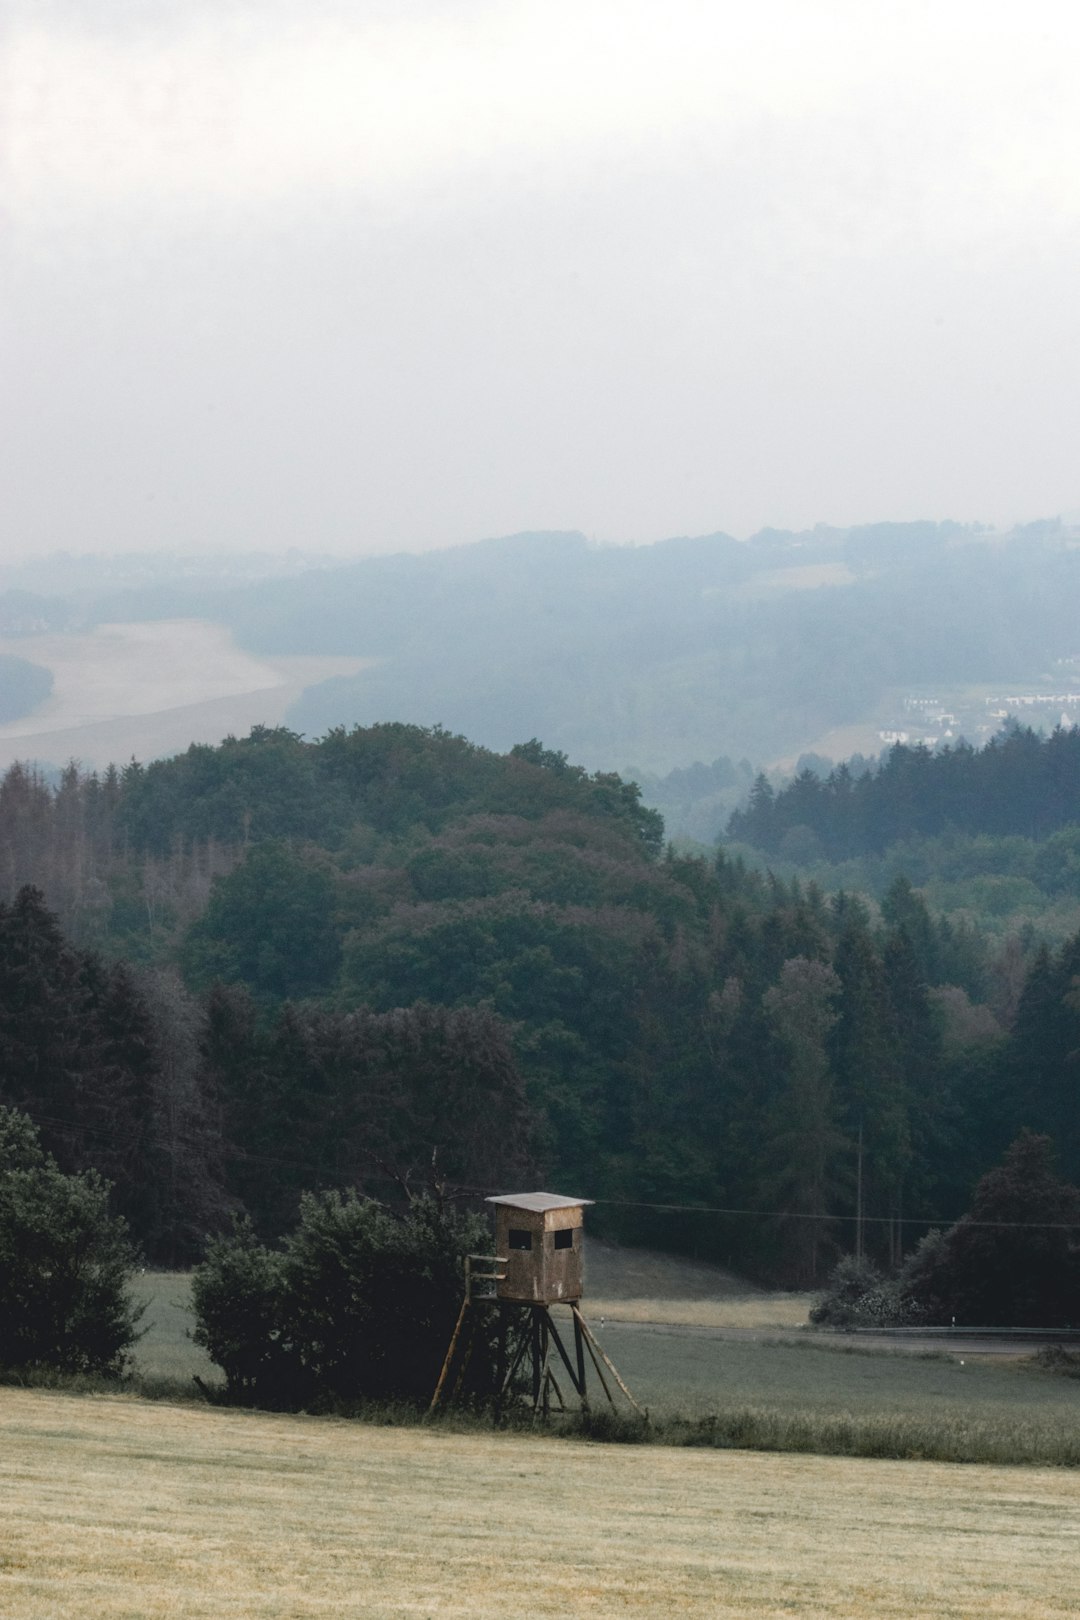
(113,1508)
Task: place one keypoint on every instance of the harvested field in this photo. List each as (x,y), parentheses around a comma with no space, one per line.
(113,1508)
(152,689)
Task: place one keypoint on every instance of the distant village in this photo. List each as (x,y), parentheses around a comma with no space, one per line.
(931,722)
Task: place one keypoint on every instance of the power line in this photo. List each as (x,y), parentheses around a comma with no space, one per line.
(805,1215)
(116,1137)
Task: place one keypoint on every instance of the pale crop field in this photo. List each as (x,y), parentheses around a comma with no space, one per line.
(113,1508)
(763,1312)
(151,689)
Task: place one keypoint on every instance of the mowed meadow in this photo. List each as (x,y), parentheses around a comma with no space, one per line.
(115,1508)
(118,1507)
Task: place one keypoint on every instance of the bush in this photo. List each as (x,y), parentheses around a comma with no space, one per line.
(358,1303)
(1012,1261)
(237,1297)
(1055,1358)
(857,1295)
(65,1263)
(840,1303)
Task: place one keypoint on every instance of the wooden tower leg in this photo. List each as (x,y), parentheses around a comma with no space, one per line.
(579,1357)
(451,1352)
(466,1354)
(595,1349)
(541,1395)
(538,1349)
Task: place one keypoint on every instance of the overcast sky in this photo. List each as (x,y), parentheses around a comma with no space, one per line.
(359,277)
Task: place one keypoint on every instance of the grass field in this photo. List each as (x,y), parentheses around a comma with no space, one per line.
(118,1508)
(112,1509)
(778,1392)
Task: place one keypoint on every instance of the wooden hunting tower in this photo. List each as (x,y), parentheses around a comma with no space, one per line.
(539,1239)
(539,1263)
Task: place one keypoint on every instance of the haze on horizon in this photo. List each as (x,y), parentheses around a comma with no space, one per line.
(360,279)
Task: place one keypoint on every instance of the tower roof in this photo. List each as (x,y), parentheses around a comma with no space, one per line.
(538,1202)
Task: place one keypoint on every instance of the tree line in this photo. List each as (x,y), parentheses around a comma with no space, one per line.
(1021,784)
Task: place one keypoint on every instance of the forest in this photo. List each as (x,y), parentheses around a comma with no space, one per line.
(397,961)
(989,836)
(1022,784)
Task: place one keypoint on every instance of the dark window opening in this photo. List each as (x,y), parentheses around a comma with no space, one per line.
(519,1238)
(565,1238)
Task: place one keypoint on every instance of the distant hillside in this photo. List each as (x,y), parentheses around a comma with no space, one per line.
(23,686)
(689,650)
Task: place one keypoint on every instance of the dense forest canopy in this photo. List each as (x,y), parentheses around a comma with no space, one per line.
(393,960)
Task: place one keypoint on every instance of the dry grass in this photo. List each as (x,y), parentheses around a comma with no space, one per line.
(613,1272)
(113,1509)
(768,1312)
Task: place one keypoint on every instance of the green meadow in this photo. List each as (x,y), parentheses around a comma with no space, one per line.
(787,1389)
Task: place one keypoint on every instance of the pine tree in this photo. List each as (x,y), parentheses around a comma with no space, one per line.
(44,1014)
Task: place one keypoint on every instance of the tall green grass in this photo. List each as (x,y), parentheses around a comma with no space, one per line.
(1001,1438)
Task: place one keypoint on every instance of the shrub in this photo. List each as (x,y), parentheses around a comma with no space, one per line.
(840,1302)
(65,1263)
(237,1297)
(358,1303)
(1055,1358)
(857,1295)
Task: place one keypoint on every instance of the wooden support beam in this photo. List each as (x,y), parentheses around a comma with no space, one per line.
(540,1381)
(576,1378)
(466,1355)
(599,1370)
(614,1371)
(579,1356)
(435,1399)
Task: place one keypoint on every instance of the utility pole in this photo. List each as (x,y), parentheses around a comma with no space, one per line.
(858,1197)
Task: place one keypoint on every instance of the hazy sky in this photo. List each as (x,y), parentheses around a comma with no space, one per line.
(368,276)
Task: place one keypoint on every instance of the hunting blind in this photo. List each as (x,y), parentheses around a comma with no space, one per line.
(539,1239)
(538,1263)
